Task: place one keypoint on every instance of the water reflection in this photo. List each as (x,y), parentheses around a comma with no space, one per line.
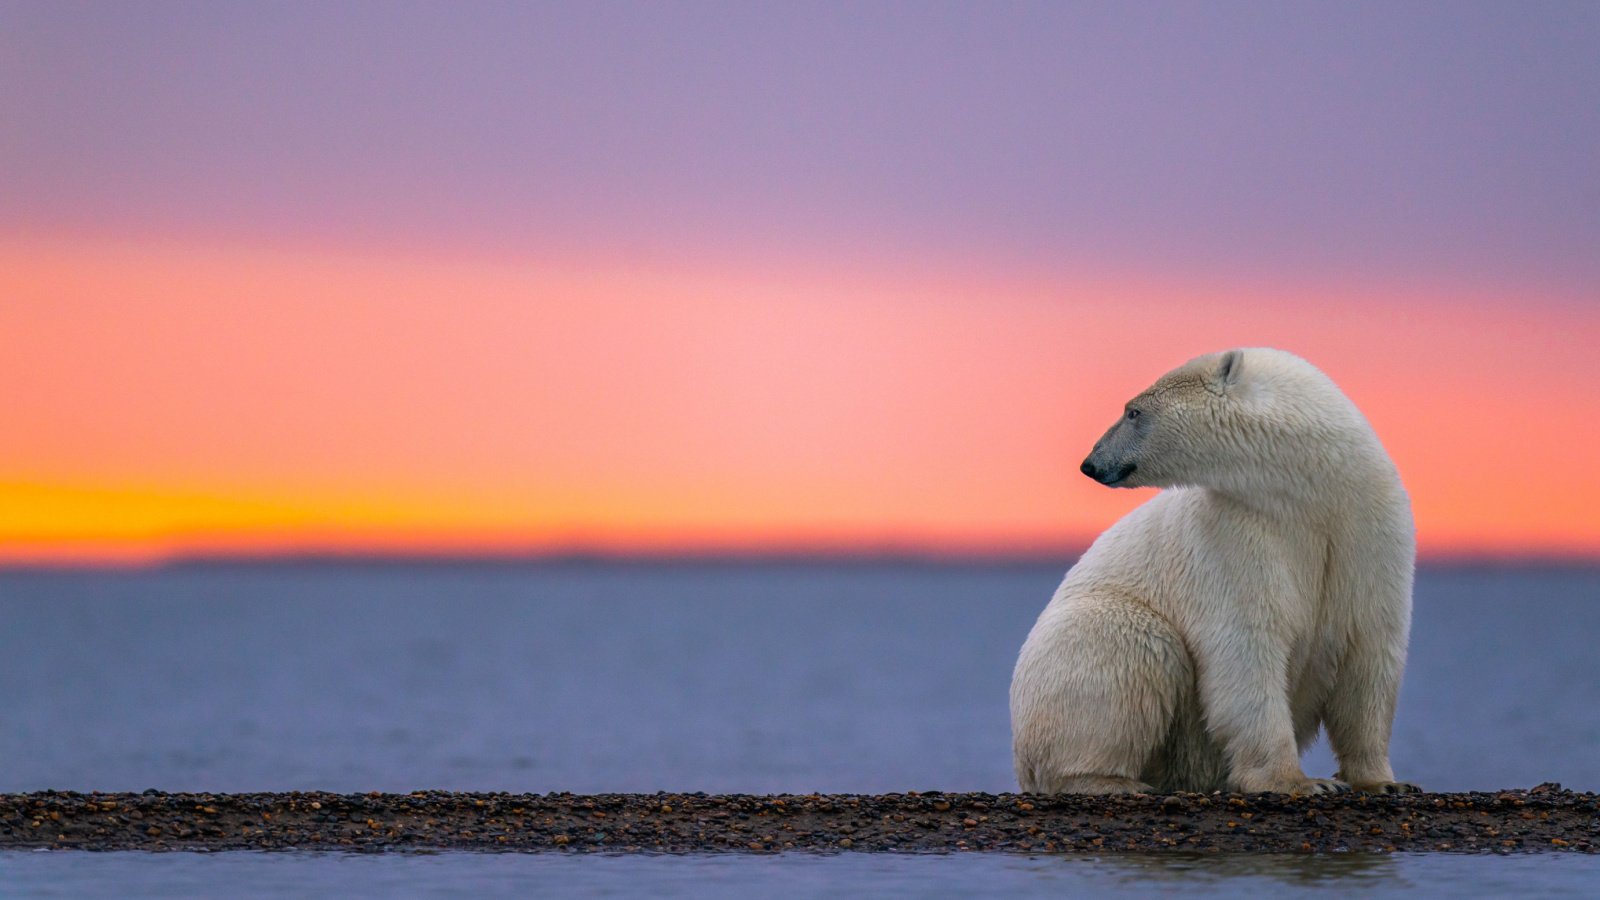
(1350,871)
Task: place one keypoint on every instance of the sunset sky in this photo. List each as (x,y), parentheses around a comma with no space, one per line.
(492,278)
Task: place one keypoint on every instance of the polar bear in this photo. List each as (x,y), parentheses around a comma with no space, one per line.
(1203,639)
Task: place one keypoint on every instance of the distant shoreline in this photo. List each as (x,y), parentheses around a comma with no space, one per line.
(1061,559)
(1544,819)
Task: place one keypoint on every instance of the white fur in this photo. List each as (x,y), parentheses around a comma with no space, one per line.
(1203,639)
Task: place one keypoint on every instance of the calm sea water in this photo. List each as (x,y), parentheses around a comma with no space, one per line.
(748,678)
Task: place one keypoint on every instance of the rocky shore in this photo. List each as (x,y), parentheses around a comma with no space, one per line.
(1544,819)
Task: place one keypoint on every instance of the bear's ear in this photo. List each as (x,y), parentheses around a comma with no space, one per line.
(1229,370)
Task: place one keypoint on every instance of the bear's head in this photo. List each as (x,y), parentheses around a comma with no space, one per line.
(1249,420)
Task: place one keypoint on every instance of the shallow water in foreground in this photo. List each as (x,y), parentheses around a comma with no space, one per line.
(66,874)
(738,678)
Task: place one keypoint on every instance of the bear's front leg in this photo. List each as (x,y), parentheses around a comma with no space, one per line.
(1360,715)
(1372,582)
(1242,683)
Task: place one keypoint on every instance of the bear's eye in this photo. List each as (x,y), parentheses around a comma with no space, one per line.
(1133,414)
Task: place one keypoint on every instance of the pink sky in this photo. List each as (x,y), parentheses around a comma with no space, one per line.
(179,398)
(391,277)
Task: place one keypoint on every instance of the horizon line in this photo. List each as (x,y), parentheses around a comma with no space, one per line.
(1062,554)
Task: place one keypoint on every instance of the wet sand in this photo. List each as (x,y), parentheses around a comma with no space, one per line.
(1544,819)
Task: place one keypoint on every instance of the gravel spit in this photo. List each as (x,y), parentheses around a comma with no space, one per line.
(1544,819)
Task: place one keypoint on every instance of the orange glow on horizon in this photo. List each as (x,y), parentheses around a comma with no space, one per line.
(180,398)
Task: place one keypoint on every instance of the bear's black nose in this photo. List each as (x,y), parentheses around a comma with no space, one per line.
(1088,469)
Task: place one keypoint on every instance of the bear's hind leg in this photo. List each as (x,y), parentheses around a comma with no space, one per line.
(1094,697)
